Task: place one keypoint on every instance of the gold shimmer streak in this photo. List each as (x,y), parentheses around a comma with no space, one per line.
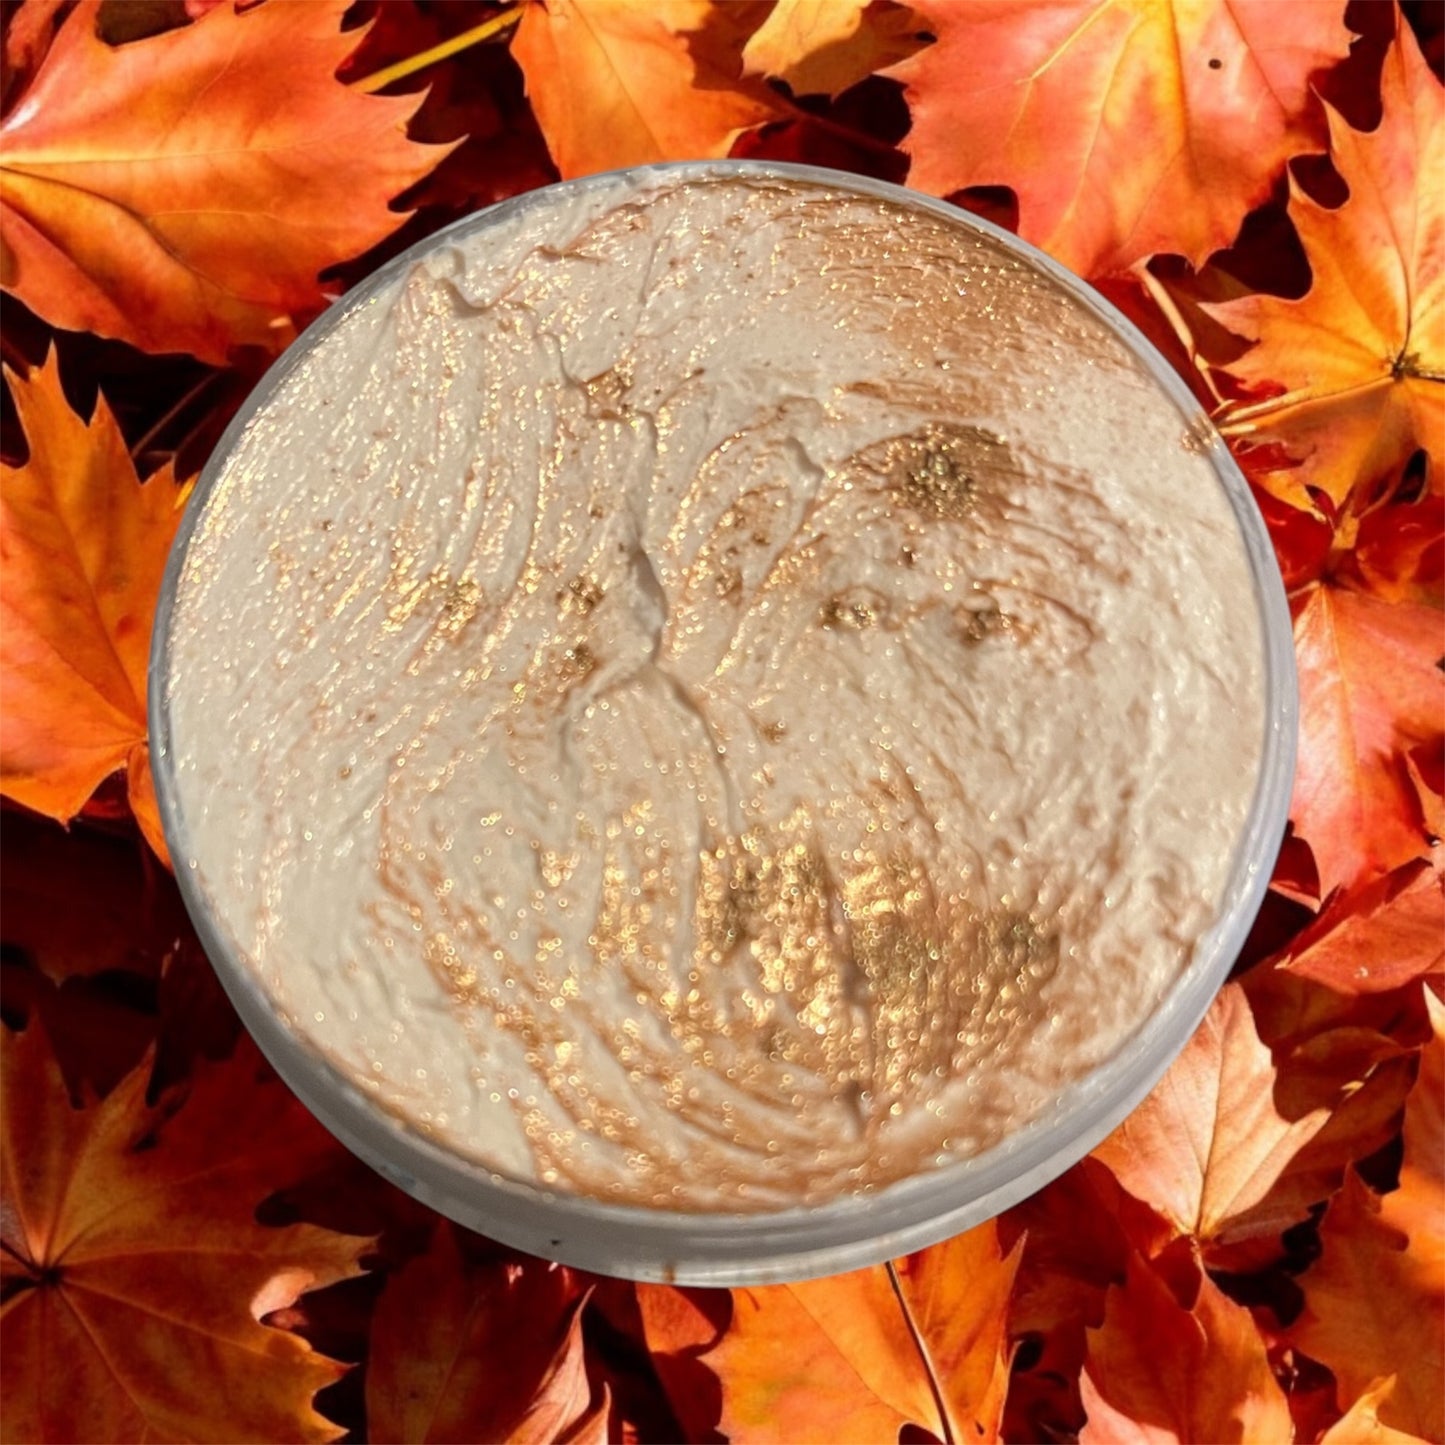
(800,988)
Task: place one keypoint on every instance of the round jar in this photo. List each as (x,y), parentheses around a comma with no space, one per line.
(722,722)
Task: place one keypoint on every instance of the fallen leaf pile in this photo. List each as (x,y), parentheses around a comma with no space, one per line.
(1257,1253)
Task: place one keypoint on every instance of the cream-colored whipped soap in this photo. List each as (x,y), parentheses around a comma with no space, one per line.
(715,692)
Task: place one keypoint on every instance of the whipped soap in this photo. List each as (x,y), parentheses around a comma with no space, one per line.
(715,692)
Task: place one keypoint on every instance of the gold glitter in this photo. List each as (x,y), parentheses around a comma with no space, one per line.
(557,867)
(578,661)
(975,624)
(458,978)
(411,592)
(939,472)
(1199,436)
(461,604)
(607,392)
(773,899)
(727,583)
(581,595)
(854,611)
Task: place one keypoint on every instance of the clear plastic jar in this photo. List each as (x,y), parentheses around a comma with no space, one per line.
(847,1232)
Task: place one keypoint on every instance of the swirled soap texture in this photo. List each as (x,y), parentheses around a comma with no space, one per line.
(715,692)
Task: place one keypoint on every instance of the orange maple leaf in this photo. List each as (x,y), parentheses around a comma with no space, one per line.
(1079,1229)
(1418,1206)
(1361,1423)
(182,192)
(1125,129)
(1208,1144)
(133,915)
(614,83)
(135,1273)
(28,32)
(1375,1299)
(1398,551)
(920,1343)
(1078,1232)
(1373,1306)
(1362,1077)
(821,47)
(1361,357)
(462,1350)
(83,545)
(1376,937)
(1159,1370)
(1369,691)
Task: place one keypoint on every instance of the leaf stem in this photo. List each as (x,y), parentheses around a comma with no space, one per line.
(154,431)
(25,1263)
(945,1422)
(380,79)
(845,133)
(14,357)
(1241,420)
(1164,300)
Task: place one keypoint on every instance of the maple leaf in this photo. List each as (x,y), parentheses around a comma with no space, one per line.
(135,1269)
(1361,357)
(1160,1371)
(614,83)
(1362,1077)
(915,1344)
(1078,1232)
(490,1351)
(185,196)
(1425,768)
(1399,552)
(475,102)
(620,1363)
(1422,1170)
(1373,1306)
(114,977)
(133,915)
(1361,1423)
(1207,1145)
(680,1327)
(1375,1299)
(1377,937)
(29,30)
(1076,1244)
(1369,690)
(1390,548)
(1125,129)
(821,47)
(84,544)
(1302,540)
(1292,1011)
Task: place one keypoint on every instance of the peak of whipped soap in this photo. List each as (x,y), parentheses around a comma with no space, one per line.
(716,693)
